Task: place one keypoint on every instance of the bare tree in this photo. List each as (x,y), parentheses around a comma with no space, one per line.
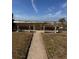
(63,23)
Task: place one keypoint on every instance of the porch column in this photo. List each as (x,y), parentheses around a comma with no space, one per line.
(43,27)
(17,28)
(55,29)
(29,28)
(33,27)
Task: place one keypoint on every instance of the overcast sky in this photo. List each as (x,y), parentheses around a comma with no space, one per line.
(39,9)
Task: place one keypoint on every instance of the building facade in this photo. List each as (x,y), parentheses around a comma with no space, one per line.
(33,25)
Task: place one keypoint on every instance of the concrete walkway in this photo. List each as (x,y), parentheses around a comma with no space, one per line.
(37,49)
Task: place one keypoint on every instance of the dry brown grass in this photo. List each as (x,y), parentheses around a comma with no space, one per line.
(56,45)
(20,43)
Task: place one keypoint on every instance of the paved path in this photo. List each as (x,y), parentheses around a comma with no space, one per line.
(37,49)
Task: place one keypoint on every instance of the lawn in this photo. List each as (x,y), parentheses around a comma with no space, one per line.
(55,45)
(20,44)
